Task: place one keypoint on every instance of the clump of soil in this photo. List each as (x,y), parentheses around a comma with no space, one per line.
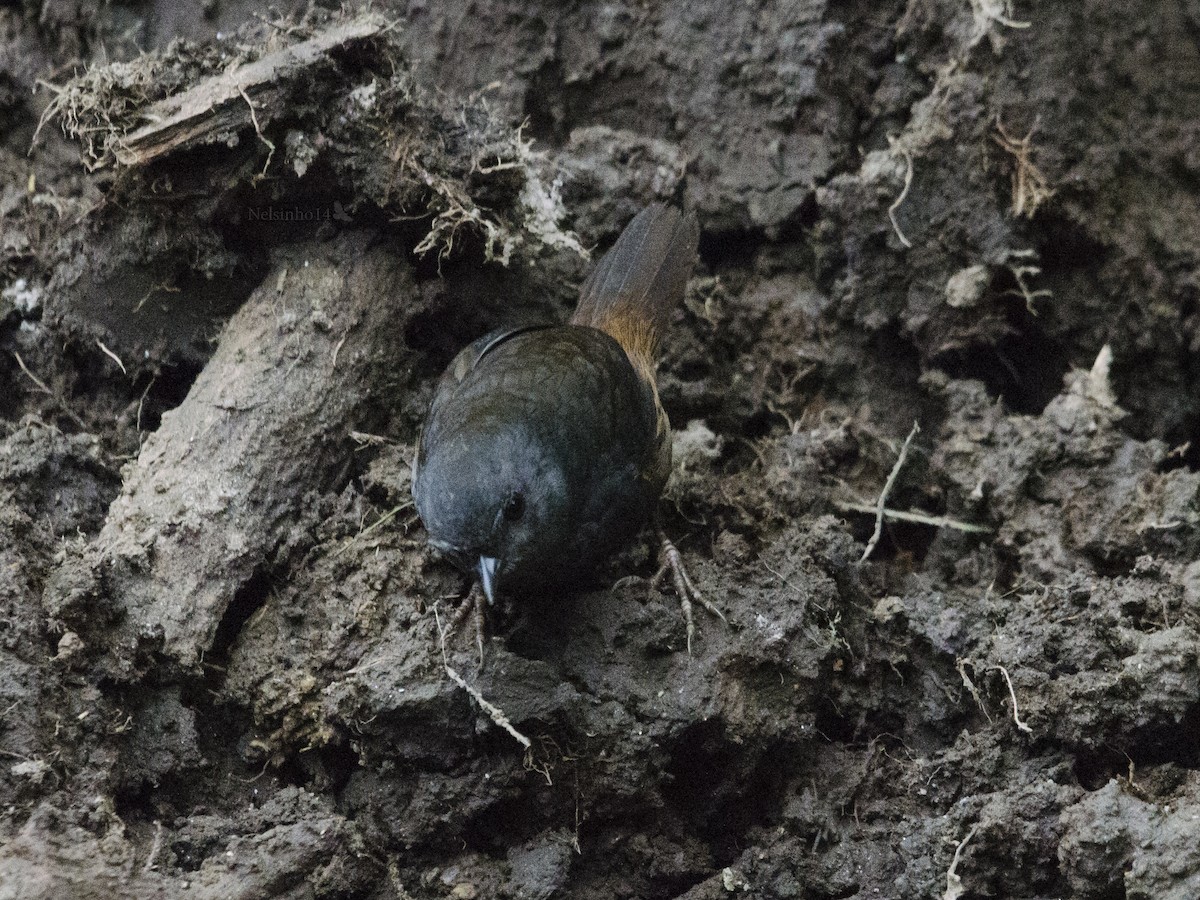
(965,664)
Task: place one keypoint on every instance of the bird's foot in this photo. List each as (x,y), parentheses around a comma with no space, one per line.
(475,603)
(671,561)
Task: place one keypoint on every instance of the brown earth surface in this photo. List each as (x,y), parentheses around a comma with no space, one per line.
(242,248)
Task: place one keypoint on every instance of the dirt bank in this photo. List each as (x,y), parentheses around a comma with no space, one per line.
(232,267)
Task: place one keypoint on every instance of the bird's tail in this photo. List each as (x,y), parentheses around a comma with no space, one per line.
(636,287)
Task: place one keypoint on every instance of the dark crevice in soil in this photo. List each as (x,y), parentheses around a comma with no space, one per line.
(339,762)
(1095,767)
(164,391)
(550,118)
(1114,564)
(730,249)
(1183,454)
(506,823)
(721,791)
(1177,742)
(907,541)
(1025,368)
(245,603)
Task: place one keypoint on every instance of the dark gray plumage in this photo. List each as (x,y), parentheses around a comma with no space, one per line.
(545,448)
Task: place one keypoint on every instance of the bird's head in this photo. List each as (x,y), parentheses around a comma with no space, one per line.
(493,502)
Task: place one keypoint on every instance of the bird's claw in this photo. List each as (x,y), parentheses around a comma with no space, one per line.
(687,592)
(475,603)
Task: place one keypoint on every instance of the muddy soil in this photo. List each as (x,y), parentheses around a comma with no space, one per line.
(244,245)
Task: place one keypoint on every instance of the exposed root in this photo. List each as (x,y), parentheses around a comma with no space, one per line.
(999,11)
(267,142)
(494,712)
(41,385)
(961,665)
(908,177)
(1021,273)
(109,353)
(385,518)
(155,848)
(920,518)
(1016,712)
(1030,189)
(880,504)
(954,885)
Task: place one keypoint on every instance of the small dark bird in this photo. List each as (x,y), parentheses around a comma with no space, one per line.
(546,447)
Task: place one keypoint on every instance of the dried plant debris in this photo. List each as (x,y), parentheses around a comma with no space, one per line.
(347,99)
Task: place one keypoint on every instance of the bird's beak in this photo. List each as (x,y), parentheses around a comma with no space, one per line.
(487,577)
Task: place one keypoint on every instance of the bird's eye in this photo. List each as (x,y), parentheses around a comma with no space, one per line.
(515,507)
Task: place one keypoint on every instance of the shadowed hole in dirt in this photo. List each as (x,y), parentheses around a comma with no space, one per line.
(507,822)
(296,209)
(1178,742)
(1024,368)
(730,249)
(1145,749)
(545,106)
(1115,564)
(224,777)
(11,401)
(339,762)
(1096,767)
(898,540)
(246,602)
(832,725)
(165,391)
(793,238)
(1182,433)
(1185,454)
(1158,387)
(438,334)
(722,790)
(462,301)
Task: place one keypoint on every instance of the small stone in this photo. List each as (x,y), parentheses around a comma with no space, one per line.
(69,645)
(966,286)
(887,609)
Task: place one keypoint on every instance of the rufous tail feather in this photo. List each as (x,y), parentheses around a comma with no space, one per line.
(636,287)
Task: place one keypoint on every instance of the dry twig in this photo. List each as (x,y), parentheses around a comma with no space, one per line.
(494,712)
(880,505)
(205,111)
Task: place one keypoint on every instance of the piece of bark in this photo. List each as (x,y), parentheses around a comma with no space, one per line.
(221,104)
(220,486)
(53,859)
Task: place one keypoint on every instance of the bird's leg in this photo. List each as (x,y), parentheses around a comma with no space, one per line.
(671,561)
(473,602)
